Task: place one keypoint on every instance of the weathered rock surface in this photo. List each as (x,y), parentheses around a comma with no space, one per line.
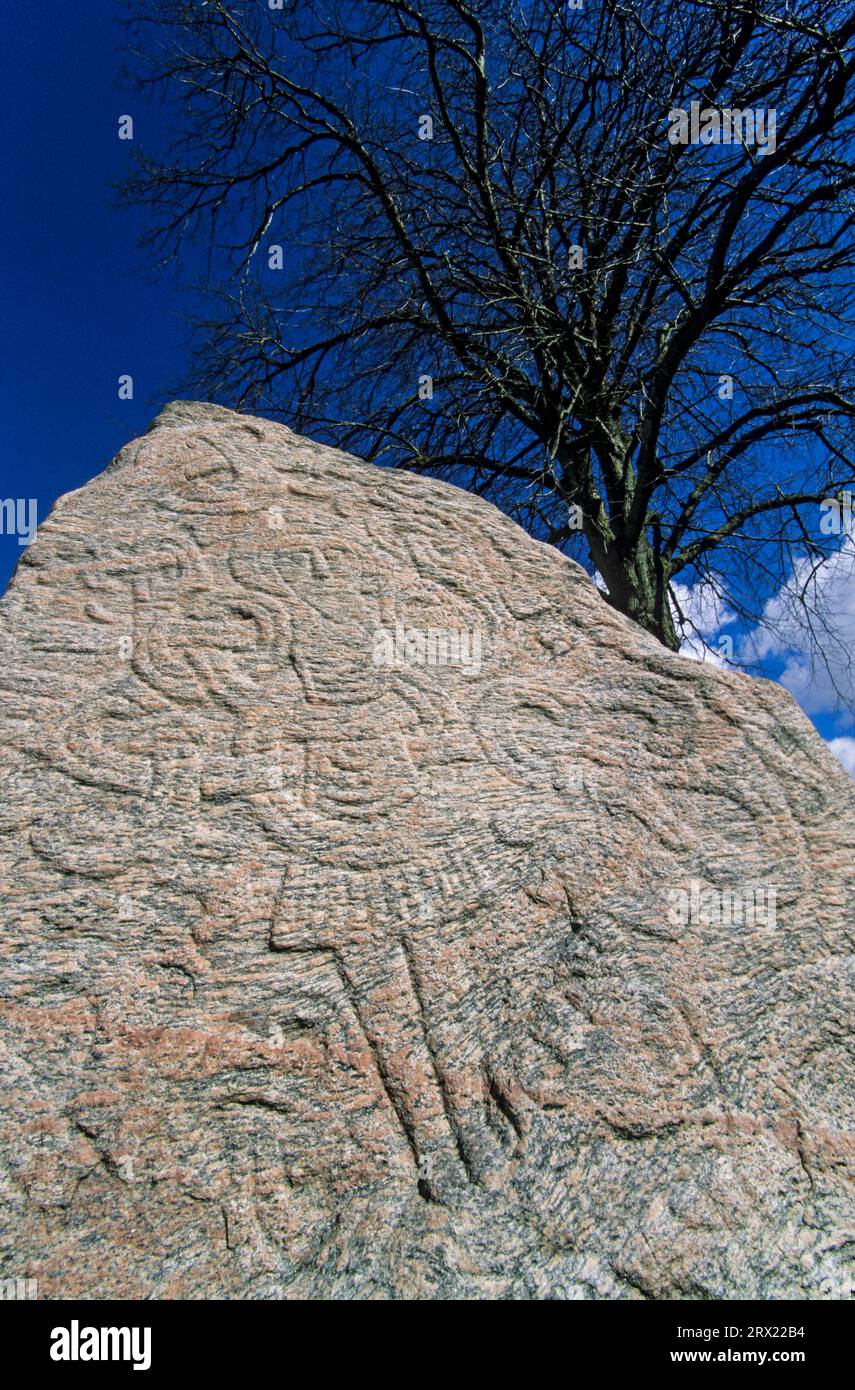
(329,978)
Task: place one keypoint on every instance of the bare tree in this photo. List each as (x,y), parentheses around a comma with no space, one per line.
(508,258)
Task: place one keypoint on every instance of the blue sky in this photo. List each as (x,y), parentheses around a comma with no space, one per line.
(79,312)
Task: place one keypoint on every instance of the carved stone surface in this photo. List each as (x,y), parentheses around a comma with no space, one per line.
(366,885)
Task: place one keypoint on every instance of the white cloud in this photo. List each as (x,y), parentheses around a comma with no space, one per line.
(705,613)
(810,626)
(844,749)
(816,643)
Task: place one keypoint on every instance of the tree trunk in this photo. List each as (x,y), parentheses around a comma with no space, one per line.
(638,585)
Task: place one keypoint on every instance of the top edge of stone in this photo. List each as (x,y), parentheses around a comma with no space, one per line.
(180,412)
(188,416)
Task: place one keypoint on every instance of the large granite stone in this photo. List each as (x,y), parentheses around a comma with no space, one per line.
(365,896)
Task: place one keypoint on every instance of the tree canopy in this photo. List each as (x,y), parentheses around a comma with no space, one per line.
(592,260)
